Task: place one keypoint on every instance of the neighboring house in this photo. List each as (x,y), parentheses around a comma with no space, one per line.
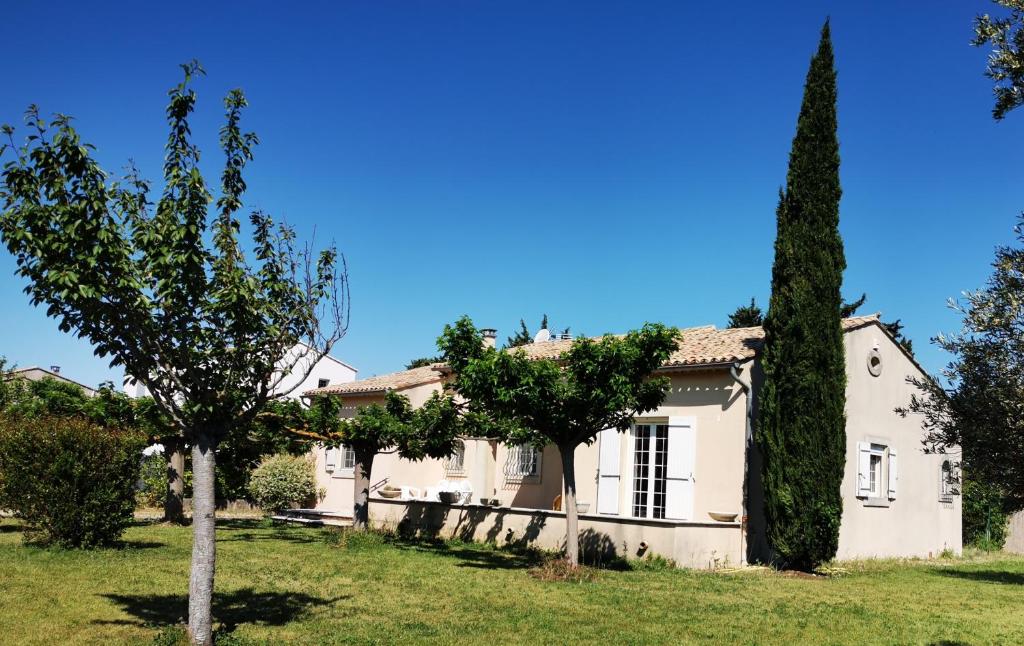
(35,373)
(676,483)
(326,372)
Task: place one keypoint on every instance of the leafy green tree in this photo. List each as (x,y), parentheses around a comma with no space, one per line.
(428,431)
(1006,62)
(801,426)
(981,408)
(166,291)
(984,516)
(595,385)
(746,316)
(48,397)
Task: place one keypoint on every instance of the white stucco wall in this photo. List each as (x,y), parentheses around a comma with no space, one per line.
(915,522)
(333,370)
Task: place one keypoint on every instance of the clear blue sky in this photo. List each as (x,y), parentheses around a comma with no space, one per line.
(605,163)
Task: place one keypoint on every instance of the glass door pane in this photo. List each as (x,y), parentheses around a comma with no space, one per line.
(641,466)
(650,464)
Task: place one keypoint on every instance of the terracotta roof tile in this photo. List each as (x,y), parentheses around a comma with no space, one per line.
(701,346)
(383,383)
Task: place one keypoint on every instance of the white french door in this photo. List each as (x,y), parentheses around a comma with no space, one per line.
(650,470)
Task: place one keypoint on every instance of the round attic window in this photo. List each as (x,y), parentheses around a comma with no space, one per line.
(874,363)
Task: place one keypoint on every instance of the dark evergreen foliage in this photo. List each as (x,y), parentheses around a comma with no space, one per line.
(746,316)
(801,427)
(422,362)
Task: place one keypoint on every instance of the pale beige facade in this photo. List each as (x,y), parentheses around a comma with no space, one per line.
(910,516)
(676,481)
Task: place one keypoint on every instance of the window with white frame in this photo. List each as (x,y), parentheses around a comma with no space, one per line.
(340,460)
(523,462)
(456,462)
(877,471)
(947,481)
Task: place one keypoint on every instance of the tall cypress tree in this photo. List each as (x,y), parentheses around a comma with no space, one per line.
(801,430)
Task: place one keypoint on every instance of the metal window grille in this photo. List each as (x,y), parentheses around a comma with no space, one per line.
(455,463)
(523,461)
(946,482)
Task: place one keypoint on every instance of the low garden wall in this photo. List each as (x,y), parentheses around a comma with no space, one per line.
(689,544)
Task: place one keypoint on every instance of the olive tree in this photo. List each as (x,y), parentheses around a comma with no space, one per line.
(596,384)
(165,290)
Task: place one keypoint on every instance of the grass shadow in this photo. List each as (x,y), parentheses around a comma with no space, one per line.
(472,555)
(230,609)
(985,576)
(10,529)
(137,545)
(245,523)
(230,531)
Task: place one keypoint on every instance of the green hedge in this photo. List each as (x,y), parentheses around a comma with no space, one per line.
(72,482)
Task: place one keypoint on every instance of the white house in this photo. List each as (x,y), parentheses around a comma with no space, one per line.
(328,371)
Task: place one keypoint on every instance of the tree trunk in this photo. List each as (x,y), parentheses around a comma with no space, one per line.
(361,490)
(204,550)
(174,510)
(572,520)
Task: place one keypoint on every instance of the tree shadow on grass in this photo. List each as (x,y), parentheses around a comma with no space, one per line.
(10,529)
(137,545)
(245,531)
(986,576)
(230,609)
(483,556)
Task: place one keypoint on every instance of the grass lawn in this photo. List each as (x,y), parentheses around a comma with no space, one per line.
(291,584)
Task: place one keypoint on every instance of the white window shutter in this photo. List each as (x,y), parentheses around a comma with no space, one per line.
(330,459)
(682,454)
(608,472)
(863,469)
(894,474)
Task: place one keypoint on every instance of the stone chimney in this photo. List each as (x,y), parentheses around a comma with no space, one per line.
(490,337)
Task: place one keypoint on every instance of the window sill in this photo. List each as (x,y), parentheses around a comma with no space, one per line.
(522,479)
(344,474)
(876,502)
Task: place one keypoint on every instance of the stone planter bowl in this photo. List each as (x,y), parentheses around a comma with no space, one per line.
(723,516)
(449,497)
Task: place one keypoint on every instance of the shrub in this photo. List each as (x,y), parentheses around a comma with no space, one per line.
(71,481)
(152,491)
(282,481)
(984,517)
